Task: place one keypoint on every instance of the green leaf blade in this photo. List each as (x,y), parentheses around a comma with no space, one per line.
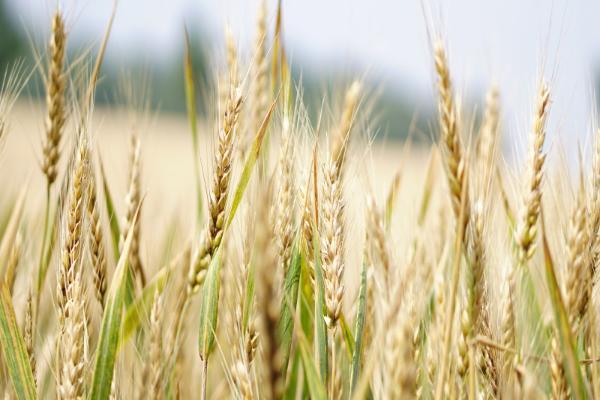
(210,307)
(108,343)
(288,306)
(359,327)
(15,354)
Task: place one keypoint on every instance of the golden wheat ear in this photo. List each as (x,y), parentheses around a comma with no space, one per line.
(285,207)
(132,202)
(526,232)
(74,221)
(55,98)
(451,145)
(96,241)
(341,136)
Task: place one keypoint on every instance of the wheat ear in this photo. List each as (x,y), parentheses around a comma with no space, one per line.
(376,228)
(341,136)
(29,332)
(217,201)
(450,136)
(527,226)
(55,98)
(332,246)
(260,89)
(74,344)
(488,139)
(560,384)
(132,202)
(285,205)
(71,253)
(155,348)
(578,275)
(96,242)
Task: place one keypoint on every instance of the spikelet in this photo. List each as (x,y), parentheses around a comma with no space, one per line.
(251,342)
(217,201)
(55,99)
(132,202)
(463,364)
(527,225)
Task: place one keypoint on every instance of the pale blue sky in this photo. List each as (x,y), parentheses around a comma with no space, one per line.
(508,41)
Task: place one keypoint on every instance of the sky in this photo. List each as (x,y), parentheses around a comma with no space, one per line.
(513,43)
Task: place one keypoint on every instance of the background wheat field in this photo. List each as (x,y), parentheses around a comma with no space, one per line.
(264,248)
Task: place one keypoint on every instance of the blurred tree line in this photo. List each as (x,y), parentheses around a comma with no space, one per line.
(12,43)
(393,114)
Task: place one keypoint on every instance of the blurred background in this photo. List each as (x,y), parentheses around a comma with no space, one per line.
(511,43)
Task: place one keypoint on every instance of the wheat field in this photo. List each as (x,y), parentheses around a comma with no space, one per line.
(255,253)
